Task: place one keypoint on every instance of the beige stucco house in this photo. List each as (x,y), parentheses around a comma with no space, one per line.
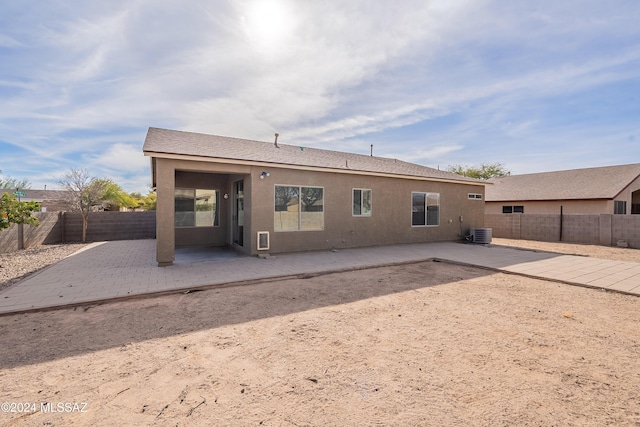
(602,190)
(267,197)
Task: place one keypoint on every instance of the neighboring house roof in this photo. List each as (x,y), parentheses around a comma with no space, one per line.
(577,184)
(170,142)
(51,200)
(38,195)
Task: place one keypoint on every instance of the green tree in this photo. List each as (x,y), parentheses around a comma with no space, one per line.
(137,200)
(149,202)
(85,194)
(485,171)
(119,198)
(14,212)
(7,182)
(116,197)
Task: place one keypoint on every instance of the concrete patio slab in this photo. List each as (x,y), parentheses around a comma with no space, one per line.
(626,285)
(123,269)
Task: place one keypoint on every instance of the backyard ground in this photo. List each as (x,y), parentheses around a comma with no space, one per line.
(420,344)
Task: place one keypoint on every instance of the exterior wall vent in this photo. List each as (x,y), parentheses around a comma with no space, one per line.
(263,240)
(481,235)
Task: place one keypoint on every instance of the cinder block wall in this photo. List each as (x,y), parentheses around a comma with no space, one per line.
(110,226)
(49,231)
(501,225)
(581,229)
(9,239)
(626,227)
(544,228)
(57,227)
(587,229)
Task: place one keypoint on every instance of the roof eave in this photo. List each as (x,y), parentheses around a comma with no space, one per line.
(173,156)
(626,186)
(548,200)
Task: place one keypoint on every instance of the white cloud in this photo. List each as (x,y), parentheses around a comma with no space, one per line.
(8,42)
(426,155)
(84,81)
(121,157)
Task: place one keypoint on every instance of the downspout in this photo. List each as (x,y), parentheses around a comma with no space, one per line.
(561,220)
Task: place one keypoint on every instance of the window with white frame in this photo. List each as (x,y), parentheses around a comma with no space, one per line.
(196,208)
(619,207)
(361,202)
(474,196)
(298,208)
(425,209)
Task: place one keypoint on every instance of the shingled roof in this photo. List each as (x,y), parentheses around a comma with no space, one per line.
(591,183)
(172,142)
(38,194)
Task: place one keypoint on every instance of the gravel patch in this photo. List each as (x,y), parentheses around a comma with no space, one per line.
(15,266)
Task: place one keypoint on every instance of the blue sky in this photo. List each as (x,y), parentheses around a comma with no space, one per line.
(536,86)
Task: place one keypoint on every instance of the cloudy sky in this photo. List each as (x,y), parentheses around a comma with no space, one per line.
(535,85)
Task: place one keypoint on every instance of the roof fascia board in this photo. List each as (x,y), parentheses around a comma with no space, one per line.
(306,168)
(626,187)
(546,200)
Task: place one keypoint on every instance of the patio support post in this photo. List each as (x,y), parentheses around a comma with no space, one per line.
(165,212)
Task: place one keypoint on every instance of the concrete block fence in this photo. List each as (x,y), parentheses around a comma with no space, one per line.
(59,227)
(111,226)
(604,230)
(48,232)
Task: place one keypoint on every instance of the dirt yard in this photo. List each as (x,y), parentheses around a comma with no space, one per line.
(604,252)
(426,344)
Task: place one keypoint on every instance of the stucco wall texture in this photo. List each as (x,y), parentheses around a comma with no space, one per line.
(552,207)
(389,223)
